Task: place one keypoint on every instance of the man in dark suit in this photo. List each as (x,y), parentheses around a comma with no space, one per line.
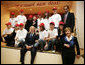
(68,18)
(30,43)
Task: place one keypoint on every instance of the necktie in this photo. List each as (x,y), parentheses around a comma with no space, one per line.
(65,16)
(30,35)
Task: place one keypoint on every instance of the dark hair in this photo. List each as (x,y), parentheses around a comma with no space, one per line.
(51,24)
(66,6)
(62,24)
(39,15)
(43,27)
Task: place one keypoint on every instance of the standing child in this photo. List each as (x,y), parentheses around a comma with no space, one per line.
(46,20)
(21,18)
(13,19)
(56,18)
(39,20)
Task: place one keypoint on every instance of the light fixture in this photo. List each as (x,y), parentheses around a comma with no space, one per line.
(30,9)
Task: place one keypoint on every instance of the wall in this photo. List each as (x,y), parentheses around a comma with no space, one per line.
(78,10)
(5,14)
(80,22)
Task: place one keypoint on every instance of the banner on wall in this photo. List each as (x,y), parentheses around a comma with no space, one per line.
(41,3)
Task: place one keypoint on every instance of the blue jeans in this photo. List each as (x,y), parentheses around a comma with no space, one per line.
(51,44)
(41,42)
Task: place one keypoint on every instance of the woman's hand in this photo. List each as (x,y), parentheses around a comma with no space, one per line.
(78,56)
(73,34)
(68,46)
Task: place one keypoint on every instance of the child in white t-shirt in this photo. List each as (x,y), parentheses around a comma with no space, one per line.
(43,34)
(52,34)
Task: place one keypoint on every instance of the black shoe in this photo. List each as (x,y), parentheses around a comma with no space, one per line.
(41,50)
(22,62)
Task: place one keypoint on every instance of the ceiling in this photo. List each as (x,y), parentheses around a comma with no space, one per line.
(30,8)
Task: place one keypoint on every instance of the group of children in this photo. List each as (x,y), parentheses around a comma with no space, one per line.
(47,33)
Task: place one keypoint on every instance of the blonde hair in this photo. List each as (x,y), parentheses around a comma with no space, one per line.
(32,27)
(68,28)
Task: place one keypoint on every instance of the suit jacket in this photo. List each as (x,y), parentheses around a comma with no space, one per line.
(31,40)
(70,21)
(70,50)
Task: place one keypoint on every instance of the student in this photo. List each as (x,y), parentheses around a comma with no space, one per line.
(56,18)
(34,22)
(14,34)
(68,18)
(6,36)
(52,34)
(61,34)
(30,41)
(46,20)
(42,37)
(29,22)
(21,18)
(68,47)
(20,36)
(13,19)
(39,20)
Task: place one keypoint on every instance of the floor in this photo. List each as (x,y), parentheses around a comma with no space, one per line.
(4,45)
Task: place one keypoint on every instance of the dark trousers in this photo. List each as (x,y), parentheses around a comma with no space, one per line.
(8,40)
(68,58)
(42,43)
(23,52)
(58,45)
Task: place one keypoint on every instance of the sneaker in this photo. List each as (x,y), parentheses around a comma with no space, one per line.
(53,51)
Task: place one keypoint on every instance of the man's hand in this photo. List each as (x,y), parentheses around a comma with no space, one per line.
(28,47)
(68,46)
(36,40)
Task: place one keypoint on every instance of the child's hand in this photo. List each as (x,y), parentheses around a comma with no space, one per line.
(3,40)
(46,46)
